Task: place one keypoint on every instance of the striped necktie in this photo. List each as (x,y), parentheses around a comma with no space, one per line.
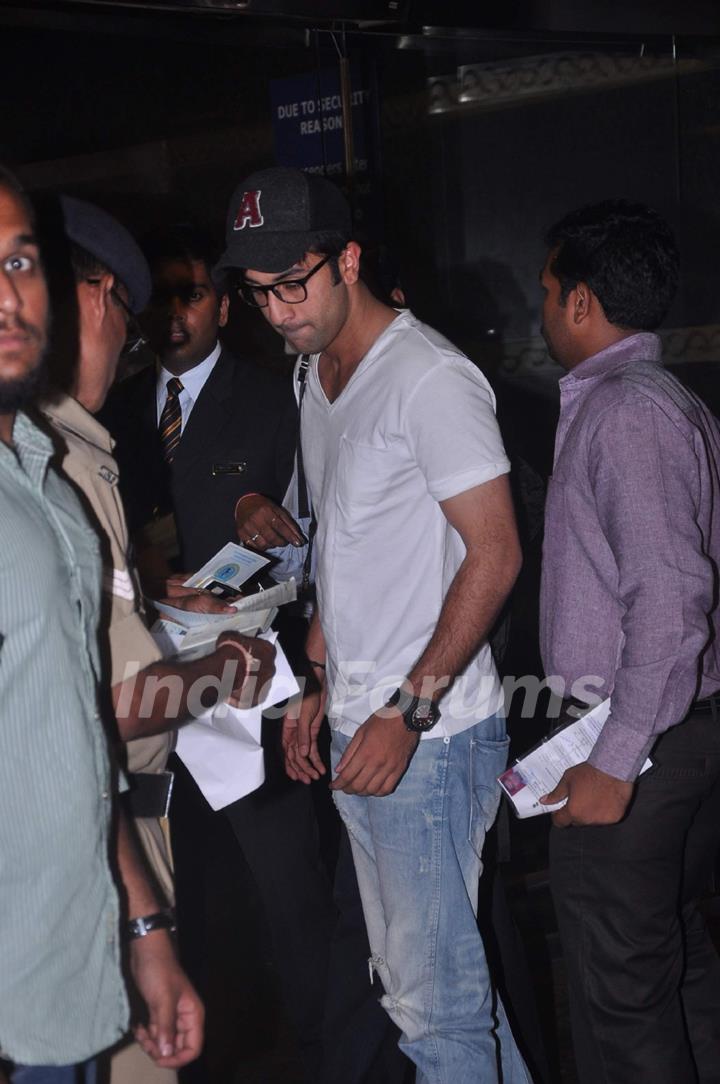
(171,419)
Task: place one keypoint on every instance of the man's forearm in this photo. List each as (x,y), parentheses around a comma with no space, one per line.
(165,695)
(140,895)
(472,604)
(315,641)
(171,1028)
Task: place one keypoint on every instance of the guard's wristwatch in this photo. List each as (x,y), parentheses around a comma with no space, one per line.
(419,712)
(145,924)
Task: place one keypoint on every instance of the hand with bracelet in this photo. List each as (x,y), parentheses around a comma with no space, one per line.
(259,658)
(262,524)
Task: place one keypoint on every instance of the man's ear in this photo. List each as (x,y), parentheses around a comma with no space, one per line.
(224,310)
(95,297)
(582,300)
(349,263)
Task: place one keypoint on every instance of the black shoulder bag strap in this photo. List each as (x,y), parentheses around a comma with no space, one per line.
(305,510)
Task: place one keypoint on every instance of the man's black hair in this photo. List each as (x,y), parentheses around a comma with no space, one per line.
(379,272)
(9,181)
(332,244)
(627,255)
(182,241)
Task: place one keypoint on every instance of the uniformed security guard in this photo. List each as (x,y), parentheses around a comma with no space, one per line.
(112,283)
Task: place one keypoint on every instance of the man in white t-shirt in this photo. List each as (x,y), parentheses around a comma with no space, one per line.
(416,553)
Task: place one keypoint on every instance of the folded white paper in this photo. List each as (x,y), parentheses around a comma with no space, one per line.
(538,772)
(224,754)
(222,748)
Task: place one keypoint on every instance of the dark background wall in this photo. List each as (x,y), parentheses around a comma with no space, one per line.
(158,116)
(473,192)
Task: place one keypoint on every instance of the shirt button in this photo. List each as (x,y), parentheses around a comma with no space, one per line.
(105,794)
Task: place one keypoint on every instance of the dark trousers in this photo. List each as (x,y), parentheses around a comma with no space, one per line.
(276,830)
(507,960)
(643,975)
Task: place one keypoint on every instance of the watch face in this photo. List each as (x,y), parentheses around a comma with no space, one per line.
(424,716)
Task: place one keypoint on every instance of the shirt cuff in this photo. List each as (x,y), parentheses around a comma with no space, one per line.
(621,751)
(444,489)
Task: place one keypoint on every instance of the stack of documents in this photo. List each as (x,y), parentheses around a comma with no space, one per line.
(222,748)
(191,635)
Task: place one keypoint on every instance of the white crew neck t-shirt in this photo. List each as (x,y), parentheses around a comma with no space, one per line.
(415,425)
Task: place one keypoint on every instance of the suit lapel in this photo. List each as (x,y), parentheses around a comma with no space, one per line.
(147,403)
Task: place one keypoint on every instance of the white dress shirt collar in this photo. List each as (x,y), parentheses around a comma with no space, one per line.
(193,382)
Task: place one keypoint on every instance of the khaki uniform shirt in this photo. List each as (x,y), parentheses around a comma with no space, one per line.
(88,462)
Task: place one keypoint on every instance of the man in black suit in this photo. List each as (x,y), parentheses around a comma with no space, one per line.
(238,422)
(194,434)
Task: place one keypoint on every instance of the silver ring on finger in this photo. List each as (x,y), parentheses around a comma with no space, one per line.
(254,537)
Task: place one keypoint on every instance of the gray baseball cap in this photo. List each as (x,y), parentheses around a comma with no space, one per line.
(109,242)
(275,216)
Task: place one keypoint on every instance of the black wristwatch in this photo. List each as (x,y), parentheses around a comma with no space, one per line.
(419,712)
(145,924)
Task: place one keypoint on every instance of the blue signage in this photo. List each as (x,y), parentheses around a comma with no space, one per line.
(308,122)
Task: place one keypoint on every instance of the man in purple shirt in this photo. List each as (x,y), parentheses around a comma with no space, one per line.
(629,609)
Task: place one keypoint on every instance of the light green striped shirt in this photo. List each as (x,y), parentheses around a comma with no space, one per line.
(62,997)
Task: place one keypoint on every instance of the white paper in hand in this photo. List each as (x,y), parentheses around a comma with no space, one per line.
(540,770)
(222,749)
(227,571)
(223,754)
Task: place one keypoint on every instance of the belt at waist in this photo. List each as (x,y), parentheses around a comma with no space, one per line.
(709,705)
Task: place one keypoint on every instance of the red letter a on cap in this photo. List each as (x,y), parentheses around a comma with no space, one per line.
(249,213)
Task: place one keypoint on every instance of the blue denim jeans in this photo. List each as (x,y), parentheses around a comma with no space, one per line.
(417,855)
(54,1074)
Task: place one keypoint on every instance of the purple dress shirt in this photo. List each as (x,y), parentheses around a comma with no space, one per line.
(629,595)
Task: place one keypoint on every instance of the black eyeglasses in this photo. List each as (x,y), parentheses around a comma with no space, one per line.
(289,291)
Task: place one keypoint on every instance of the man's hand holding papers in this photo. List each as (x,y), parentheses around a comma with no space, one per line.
(591,797)
(193,599)
(555,777)
(257,670)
